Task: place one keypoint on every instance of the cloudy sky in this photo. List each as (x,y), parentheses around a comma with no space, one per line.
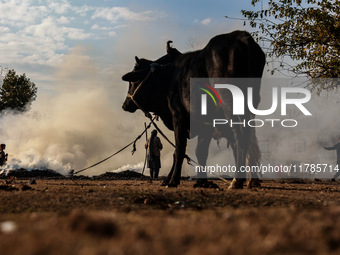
(76,53)
(36,35)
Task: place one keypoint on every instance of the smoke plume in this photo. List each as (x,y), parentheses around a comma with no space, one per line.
(80,123)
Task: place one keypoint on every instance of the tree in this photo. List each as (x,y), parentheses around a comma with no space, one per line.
(308,33)
(17,92)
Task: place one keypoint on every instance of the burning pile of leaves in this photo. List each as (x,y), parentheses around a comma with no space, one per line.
(125,175)
(23,173)
(51,174)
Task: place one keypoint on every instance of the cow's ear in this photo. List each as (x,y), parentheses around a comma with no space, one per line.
(135,76)
(137,59)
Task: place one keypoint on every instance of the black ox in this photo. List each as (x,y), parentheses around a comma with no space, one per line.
(163,87)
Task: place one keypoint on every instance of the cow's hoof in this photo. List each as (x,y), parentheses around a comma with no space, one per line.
(164,183)
(253,183)
(172,185)
(236,184)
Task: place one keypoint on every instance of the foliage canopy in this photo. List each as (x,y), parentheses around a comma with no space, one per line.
(17,92)
(306,31)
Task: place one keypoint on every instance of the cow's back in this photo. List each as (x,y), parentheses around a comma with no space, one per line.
(234,55)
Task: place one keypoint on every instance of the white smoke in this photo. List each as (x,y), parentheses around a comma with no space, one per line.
(136,167)
(80,123)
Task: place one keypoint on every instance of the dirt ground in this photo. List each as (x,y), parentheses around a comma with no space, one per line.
(136,217)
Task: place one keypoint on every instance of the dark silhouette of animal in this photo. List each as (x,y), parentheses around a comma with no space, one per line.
(163,87)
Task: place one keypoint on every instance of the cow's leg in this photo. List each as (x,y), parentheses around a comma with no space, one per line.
(253,159)
(202,150)
(240,148)
(181,124)
(181,127)
(240,177)
(168,178)
(181,143)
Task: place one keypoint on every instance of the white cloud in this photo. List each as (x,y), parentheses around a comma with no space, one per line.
(23,48)
(75,33)
(60,7)
(38,32)
(121,26)
(4,29)
(41,44)
(83,10)
(64,20)
(48,29)
(112,33)
(117,13)
(96,27)
(20,12)
(206,21)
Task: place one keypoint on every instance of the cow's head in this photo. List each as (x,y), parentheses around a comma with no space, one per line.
(135,78)
(139,79)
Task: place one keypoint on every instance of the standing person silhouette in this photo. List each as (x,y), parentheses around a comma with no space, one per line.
(154,146)
(3,155)
(337,148)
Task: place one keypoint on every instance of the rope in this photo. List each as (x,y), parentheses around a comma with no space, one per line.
(160,131)
(114,154)
(148,115)
(146,149)
(189,160)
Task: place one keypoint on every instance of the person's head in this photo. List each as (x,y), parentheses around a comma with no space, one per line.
(154,132)
(3,146)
